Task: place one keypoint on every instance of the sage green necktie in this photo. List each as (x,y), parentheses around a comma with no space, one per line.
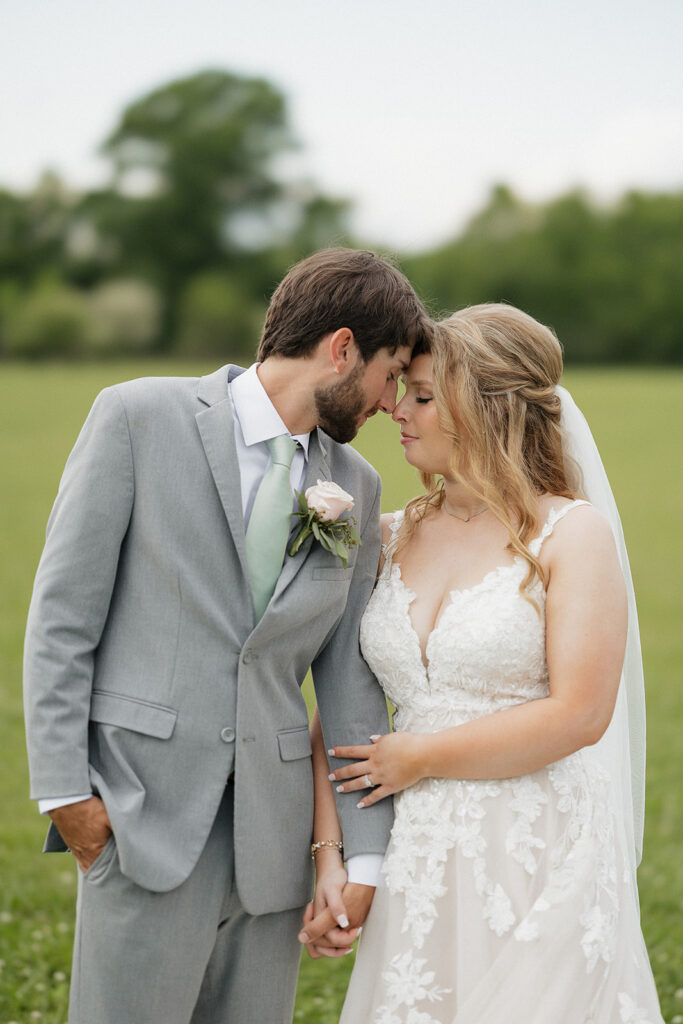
(270,522)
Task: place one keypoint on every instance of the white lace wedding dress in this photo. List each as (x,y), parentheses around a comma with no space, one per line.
(502,901)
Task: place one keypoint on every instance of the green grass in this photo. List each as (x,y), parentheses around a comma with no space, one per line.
(636,419)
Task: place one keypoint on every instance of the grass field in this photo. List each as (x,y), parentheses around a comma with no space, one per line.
(636,418)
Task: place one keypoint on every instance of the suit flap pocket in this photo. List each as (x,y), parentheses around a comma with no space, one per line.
(133,714)
(332,572)
(294,743)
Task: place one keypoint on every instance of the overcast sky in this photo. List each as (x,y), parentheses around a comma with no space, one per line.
(411,108)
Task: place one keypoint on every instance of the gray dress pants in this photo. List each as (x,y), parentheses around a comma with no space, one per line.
(189,956)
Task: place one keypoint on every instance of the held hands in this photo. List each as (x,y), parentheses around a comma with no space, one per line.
(392,763)
(330,882)
(321,934)
(85,828)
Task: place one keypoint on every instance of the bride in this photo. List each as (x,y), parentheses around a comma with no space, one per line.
(498,629)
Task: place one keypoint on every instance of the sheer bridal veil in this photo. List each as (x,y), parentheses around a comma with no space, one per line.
(622,748)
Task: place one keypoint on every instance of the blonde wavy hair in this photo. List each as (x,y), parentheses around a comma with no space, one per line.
(495,369)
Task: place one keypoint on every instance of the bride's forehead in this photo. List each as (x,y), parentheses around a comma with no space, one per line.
(420,369)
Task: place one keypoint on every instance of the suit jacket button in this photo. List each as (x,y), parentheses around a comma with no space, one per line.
(227,734)
(247,657)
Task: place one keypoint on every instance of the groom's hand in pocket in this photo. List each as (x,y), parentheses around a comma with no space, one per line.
(323,929)
(85,828)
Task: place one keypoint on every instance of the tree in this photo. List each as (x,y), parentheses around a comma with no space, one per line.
(34,228)
(195,188)
(607,279)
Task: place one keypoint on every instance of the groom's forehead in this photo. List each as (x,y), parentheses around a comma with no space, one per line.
(402,356)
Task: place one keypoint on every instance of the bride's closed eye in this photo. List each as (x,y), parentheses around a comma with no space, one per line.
(423,401)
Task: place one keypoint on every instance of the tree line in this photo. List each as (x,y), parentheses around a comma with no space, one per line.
(179,253)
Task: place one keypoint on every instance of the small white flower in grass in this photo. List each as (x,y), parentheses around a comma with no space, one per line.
(36,1015)
(40,987)
(59,976)
(5,917)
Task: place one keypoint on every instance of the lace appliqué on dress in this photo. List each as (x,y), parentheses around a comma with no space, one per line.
(548,835)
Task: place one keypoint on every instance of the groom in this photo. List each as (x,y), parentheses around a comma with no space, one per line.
(168,637)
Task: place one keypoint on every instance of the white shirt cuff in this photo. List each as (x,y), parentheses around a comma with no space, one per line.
(364,868)
(51,803)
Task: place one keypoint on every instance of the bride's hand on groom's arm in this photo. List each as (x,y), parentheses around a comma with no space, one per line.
(322,935)
(391,763)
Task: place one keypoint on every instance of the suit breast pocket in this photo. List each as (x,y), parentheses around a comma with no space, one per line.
(332,572)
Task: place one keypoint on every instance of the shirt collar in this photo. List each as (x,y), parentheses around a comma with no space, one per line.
(256,414)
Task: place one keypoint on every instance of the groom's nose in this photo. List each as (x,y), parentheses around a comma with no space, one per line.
(387,402)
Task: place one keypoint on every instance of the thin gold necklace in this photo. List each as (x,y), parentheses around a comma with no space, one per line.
(464,519)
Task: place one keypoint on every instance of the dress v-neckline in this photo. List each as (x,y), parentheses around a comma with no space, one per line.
(397,576)
(393,571)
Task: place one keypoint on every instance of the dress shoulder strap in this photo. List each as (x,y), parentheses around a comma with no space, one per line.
(390,546)
(551,522)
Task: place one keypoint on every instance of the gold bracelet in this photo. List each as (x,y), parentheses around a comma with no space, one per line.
(335,844)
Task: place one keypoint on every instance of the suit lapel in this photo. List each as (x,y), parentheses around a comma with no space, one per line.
(317,468)
(216,425)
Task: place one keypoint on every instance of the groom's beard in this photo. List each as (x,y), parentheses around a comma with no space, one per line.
(341,406)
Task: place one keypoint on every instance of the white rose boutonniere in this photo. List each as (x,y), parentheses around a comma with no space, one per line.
(320,508)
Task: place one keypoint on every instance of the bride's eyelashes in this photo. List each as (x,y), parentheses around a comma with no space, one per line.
(423,401)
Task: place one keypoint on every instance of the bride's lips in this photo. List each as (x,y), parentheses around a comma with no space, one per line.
(407,438)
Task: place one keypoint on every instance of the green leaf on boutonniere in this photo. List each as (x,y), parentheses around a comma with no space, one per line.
(354,535)
(302,503)
(342,553)
(299,539)
(334,535)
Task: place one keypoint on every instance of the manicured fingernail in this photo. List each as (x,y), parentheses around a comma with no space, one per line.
(375,737)
(303,937)
(331,751)
(349,950)
(360,804)
(343,921)
(331,776)
(340,789)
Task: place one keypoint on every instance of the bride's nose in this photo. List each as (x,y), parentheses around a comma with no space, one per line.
(399,412)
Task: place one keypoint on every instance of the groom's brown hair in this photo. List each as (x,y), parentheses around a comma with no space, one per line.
(338,288)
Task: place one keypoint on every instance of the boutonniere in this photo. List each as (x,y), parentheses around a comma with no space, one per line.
(320,508)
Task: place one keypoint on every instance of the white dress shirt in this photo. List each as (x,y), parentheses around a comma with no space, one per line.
(256,421)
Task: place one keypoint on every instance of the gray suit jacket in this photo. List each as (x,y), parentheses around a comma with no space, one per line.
(145,676)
